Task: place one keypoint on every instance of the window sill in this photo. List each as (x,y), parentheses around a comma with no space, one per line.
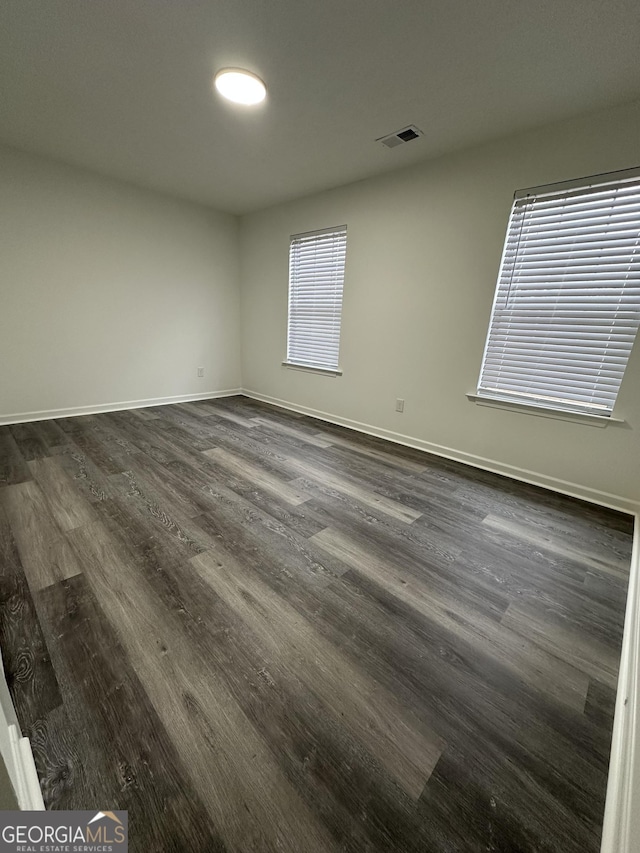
(323,370)
(543,412)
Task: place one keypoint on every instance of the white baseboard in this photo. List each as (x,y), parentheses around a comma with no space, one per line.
(573,490)
(77,411)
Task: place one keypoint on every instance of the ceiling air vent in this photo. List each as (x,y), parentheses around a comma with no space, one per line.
(400,136)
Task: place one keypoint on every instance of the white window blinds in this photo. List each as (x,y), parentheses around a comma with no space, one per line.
(316,278)
(567,303)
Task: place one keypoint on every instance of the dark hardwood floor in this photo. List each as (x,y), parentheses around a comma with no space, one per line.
(259,632)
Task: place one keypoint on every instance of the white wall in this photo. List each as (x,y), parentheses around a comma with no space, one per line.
(109,293)
(423,250)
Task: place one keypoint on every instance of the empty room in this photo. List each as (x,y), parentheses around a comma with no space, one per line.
(319,426)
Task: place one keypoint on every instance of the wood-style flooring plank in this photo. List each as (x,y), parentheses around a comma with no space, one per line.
(27,665)
(68,508)
(386,455)
(553,633)
(91,435)
(155,482)
(610,564)
(333,482)
(29,440)
(13,468)
(63,757)
(257,476)
(140,501)
(144,414)
(205,410)
(290,432)
(44,552)
(88,480)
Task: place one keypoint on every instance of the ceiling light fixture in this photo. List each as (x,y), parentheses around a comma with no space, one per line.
(240,86)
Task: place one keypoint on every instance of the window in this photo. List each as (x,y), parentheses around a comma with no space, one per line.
(567,303)
(316,277)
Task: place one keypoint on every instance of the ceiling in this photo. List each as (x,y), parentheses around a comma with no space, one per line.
(123,87)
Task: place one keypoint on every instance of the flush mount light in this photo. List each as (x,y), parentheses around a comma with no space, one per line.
(239,86)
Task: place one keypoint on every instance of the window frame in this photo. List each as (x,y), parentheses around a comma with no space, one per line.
(333,281)
(562,409)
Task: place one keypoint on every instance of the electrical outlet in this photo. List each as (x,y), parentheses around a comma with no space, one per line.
(200,372)
(399,405)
